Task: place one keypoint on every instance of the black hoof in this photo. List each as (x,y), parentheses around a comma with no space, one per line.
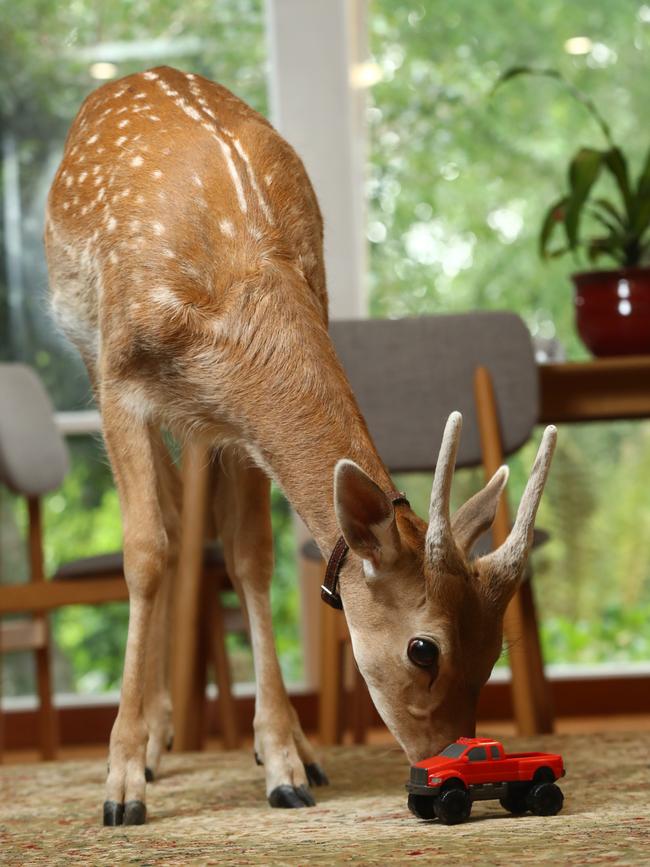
(170,743)
(113,813)
(316,775)
(135,813)
(149,775)
(258,760)
(291,797)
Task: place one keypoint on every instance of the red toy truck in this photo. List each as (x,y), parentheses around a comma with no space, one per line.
(478,769)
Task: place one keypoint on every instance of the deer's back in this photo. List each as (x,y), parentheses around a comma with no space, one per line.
(173,205)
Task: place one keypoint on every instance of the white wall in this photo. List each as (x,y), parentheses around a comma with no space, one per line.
(313,45)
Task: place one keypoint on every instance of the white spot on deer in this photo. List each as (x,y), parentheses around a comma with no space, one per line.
(253,180)
(268,179)
(66,205)
(189,110)
(209,112)
(152,76)
(100,150)
(197,180)
(166,297)
(92,139)
(227,228)
(135,225)
(119,93)
(169,254)
(123,123)
(241,198)
(126,192)
(84,210)
(140,199)
(101,194)
(190,75)
(158,227)
(122,110)
(82,177)
(140,95)
(113,257)
(98,180)
(68,181)
(153,117)
(157,174)
(137,161)
(111,225)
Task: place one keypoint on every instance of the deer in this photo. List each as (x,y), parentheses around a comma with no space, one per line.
(184,245)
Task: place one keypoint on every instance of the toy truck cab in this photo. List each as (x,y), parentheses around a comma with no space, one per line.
(473,769)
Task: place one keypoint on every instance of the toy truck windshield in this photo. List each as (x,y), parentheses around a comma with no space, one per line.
(453,751)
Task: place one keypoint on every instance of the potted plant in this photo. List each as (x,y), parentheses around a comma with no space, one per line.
(612,306)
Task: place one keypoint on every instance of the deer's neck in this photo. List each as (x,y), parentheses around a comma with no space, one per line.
(303,420)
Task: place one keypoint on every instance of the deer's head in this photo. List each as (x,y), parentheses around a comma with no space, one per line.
(426,620)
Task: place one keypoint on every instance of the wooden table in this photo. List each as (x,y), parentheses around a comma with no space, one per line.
(606,389)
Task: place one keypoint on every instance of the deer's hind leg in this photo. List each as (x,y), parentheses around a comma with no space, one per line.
(132,443)
(243,512)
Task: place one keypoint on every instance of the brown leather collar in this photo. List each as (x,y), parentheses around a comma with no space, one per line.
(329,589)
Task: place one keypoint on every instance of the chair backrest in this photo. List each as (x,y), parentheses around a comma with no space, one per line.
(409,374)
(33,456)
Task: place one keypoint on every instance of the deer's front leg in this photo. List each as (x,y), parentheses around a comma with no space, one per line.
(244,520)
(129,444)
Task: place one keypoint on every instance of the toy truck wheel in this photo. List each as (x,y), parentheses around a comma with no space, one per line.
(545,799)
(421,806)
(453,806)
(544,775)
(515,801)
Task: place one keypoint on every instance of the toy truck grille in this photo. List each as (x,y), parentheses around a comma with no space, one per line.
(419,776)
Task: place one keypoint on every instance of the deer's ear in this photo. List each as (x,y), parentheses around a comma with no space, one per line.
(366,517)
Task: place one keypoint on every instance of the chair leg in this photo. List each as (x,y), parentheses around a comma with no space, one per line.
(47,716)
(530,689)
(217,648)
(331,680)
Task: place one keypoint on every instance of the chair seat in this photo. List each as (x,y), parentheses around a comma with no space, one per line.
(109,565)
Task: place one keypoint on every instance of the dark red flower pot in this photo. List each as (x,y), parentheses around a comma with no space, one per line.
(613,311)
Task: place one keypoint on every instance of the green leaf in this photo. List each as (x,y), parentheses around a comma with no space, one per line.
(612,210)
(606,246)
(641,208)
(554,217)
(608,223)
(617,165)
(523,69)
(583,172)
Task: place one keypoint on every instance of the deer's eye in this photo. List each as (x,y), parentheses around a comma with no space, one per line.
(423,653)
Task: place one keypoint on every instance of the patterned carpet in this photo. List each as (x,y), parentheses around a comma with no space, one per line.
(209,809)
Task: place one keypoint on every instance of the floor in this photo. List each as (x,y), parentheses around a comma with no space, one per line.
(210,808)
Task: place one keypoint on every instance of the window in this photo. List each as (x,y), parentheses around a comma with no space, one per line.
(494,752)
(478,754)
(457,187)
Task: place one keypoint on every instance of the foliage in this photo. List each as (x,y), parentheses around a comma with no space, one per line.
(624,224)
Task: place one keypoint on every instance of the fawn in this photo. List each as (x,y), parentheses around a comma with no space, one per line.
(184,247)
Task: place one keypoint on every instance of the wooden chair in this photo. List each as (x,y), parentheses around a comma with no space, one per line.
(408,375)
(34,461)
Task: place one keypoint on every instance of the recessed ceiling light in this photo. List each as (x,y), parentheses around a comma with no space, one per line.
(103,70)
(578,45)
